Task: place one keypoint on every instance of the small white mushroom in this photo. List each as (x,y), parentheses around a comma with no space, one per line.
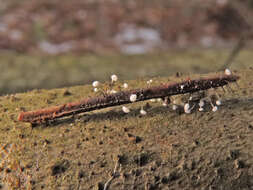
(187,108)
(174,107)
(218,102)
(114,78)
(143,112)
(227,72)
(201,109)
(95,89)
(215,108)
(201,103)
(125,109)
(133,97)
(113,91)
(125,85)
(95,84)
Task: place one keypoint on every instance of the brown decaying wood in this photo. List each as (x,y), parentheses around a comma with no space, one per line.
(123,97)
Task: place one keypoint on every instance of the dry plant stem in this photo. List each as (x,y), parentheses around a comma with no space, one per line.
(236,50)
(166,90)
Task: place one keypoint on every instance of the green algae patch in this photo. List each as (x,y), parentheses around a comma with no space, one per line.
(162,149)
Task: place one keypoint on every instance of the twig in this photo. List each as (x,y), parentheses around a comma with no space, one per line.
(246,16)
(236,50)
(123,97)
(113,176)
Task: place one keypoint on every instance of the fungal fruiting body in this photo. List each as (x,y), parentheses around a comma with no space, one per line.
(95,84)
(125,109)
(133,97)
(114,78)
(126,97)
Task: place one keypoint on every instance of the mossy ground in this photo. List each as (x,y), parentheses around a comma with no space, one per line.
(161,150)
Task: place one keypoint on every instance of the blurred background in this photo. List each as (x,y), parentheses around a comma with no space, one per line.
(56,43)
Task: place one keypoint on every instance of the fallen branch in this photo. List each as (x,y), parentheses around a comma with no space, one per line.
(124,97)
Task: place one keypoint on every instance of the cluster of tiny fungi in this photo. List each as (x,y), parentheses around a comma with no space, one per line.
(187,106)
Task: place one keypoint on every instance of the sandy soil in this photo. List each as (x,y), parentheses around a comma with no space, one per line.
(161,150)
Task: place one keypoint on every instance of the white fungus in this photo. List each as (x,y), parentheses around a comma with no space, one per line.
(165,104)
(201,109)
(218,102)
(114,78)
(113,91)
(125,85)
(133,97)
(125,109)
(95,84)
(182,87)
(215,108)
(187,108)
(227,72)
(201,103)
(149,81)
(95,89)
(143,112)
(174,107)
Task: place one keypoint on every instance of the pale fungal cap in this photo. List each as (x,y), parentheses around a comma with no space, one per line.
(95,89)
(227,72)
(187,111)
(159,99)
(201,109)
(125,85)
(215,108)
(164,104)
(218,102)
(149,81)
(174,107)
(201,103)
(114,78)
(187,106)
(143,112)
(113,91)
(95,84)
(182,87)
(125,109)
(133,97)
